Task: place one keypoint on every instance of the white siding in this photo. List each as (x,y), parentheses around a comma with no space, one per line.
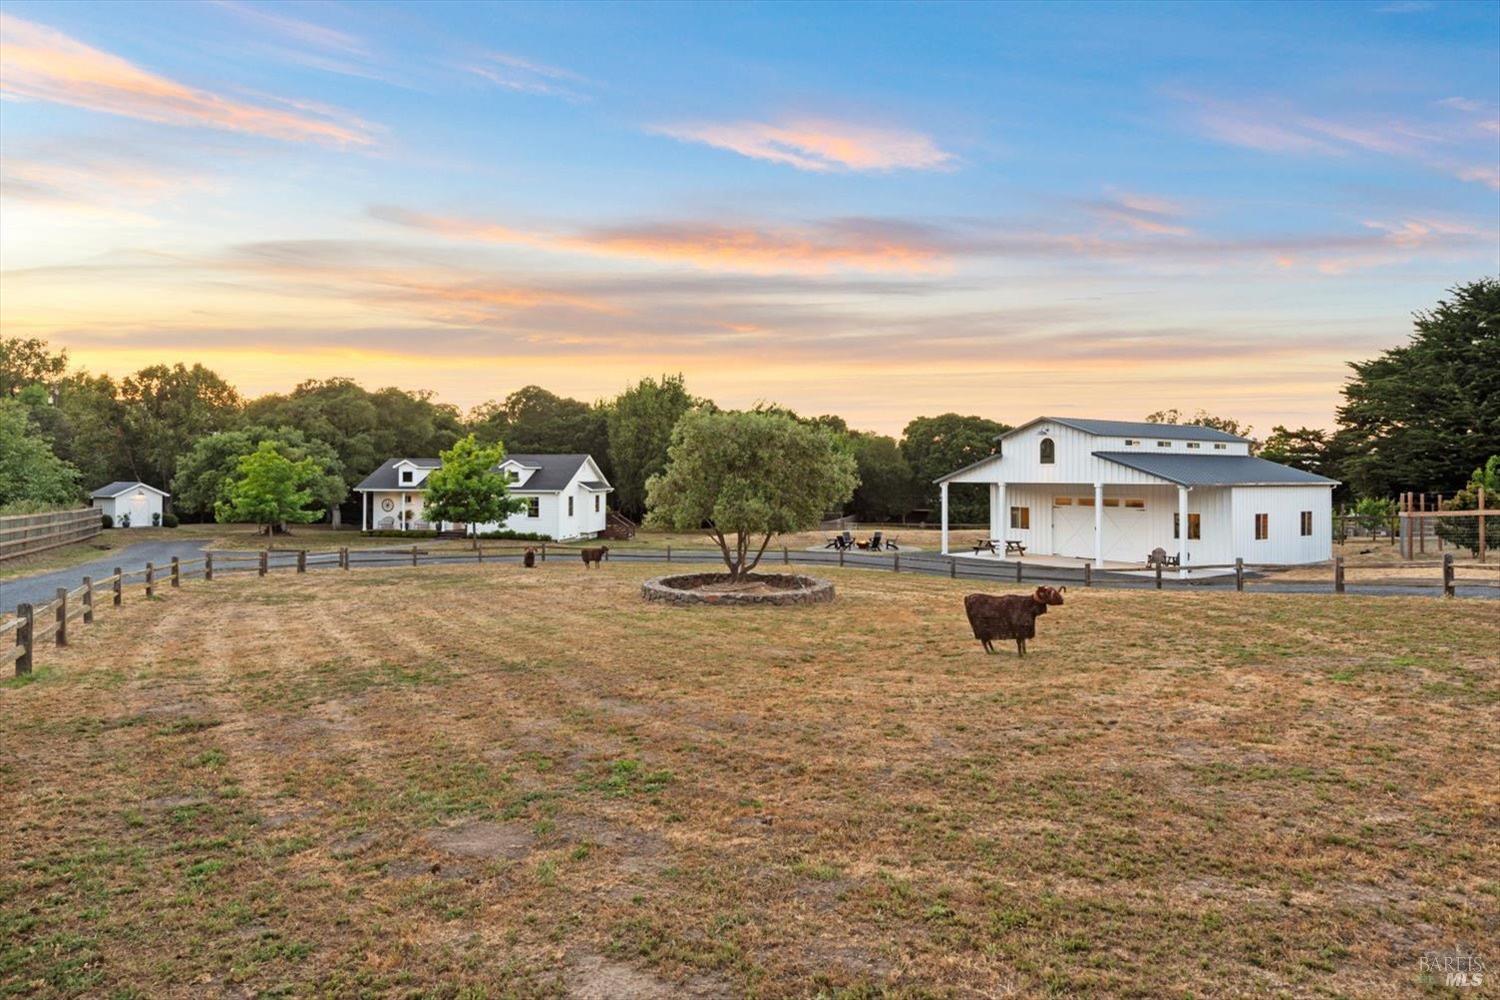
(143,510)
(1020,459)
(1283,507)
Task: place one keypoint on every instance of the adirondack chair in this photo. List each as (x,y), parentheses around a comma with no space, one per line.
(877,541)
(1159,556)
(841,541)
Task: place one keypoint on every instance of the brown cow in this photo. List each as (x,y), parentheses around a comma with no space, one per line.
(1010,617)
(593,555)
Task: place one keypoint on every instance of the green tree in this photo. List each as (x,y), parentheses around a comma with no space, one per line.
(640,427)
(885,479)
(1305,448)
(30,474)
(747,477)
(467,488)
(28,362)
(935,446)
(270,490)
(205,473)
(166,409)
(535,421)
(1374,514)
(1464,531)
(1420,416)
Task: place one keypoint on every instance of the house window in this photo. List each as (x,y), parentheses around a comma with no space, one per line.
(1194,444)
(1111,502)
(1306,523)
(533,506)
(513,476)
(570,506)
(1219,446)
(1136,504)
(1062,501)
(1020,518)
(1049,451)
(1195,527)
(1085,501)
(1262,527)
(596,503)
(1131,441)
(1164,444)
(406,475)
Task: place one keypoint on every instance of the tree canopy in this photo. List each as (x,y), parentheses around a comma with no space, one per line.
(205,473)
(26,362)
(467,488)
(30,474)
(743,477)
(166,409)
(935,446)
(271,490)
(640,428)
(1422,415)
(533,420)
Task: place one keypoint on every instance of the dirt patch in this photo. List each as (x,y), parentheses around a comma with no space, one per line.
(594,977)
(640,852)
(479,839)
(357,844)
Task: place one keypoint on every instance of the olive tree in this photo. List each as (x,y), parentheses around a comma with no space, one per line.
(744,477)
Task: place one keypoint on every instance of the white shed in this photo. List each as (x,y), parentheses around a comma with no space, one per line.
(1111,491)
(130,505)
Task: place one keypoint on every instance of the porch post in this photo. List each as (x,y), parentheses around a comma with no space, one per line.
(402,510)
(996,525)
(364,512)
(1098,526)
(943,492)
(1182,531)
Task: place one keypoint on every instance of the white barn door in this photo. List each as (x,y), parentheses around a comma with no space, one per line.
(1125,532)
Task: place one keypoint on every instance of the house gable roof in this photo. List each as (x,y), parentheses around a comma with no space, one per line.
(1133,429)
(1214,470)
(109,490)
(552,473)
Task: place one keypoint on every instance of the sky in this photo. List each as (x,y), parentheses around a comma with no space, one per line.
(876,211)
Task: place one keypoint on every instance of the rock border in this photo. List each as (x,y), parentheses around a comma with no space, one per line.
(682,590)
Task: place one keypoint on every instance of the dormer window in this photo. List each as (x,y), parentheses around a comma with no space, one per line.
(406,475)
(513,475)
(1048,452)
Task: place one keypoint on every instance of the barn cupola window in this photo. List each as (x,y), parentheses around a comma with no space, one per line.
(1049,451)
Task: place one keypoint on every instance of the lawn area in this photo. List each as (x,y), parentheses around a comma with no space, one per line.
(486,781)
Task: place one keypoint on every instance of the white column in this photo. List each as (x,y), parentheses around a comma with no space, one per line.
(401,511)
(364,509)
(1098,526)
(1182,531)
(1001,523)
(943,492)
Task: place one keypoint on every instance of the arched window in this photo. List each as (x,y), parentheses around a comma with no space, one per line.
(1049,451)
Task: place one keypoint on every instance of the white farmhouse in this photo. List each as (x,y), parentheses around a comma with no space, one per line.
(1113,490)
(564,494)
(132,505)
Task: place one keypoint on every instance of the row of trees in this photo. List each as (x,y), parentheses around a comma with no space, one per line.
(1419,417)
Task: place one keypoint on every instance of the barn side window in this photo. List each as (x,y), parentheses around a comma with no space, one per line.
(1262,527)
(1020,518)
(596,503)
(1306,523)
(570,506)
(1049,451)
(1195,526)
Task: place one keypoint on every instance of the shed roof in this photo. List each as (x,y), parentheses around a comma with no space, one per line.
(1215,470)
(1137,428)
(116,488)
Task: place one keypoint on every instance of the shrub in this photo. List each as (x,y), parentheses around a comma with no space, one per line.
(156,519)
(169,520)
(124,520)
(517,536)
(106,521)
(393,533)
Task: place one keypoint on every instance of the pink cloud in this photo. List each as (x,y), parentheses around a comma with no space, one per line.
(819,145)
(44,64)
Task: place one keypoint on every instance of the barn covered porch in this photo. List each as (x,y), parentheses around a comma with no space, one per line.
(1108,525)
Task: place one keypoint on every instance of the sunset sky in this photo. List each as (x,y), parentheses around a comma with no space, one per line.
(875,211)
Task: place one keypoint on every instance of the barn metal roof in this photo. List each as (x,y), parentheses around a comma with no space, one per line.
(1214,470)
(1140,428)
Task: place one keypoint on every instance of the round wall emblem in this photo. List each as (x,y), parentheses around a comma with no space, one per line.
(387,504)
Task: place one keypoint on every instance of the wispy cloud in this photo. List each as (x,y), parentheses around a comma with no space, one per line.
(1280,127)
(525,76)
(858,244)
(818,144)
(44,64)
(1142,213)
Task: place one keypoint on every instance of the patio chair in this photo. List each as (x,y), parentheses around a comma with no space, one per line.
(876,541)
(890,545)
(841,542)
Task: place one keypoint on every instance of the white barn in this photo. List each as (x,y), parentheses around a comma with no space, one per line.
(565,496)
(141,504)
(1113,490)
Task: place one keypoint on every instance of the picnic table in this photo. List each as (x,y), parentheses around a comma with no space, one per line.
(989,545)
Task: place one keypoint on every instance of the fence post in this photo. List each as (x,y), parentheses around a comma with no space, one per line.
(150,580)
(1088,574)
(1158,574)
(27,614)
(413,555)
(896,564)
(265,558)
(62,616)
(119,585)
(1482,545)
(1448,574)
(478,551)
(88,600)
(1239,573)
(544,551)
(952,568)
(176,572)
(1338,574)
(1018,571)
(841,558)
(786,557)
(669,553)
(208,566)
(344,557)
(301,560)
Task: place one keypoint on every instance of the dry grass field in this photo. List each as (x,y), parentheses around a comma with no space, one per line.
(482,781)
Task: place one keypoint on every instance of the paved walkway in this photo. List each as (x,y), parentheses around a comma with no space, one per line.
(42,587)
